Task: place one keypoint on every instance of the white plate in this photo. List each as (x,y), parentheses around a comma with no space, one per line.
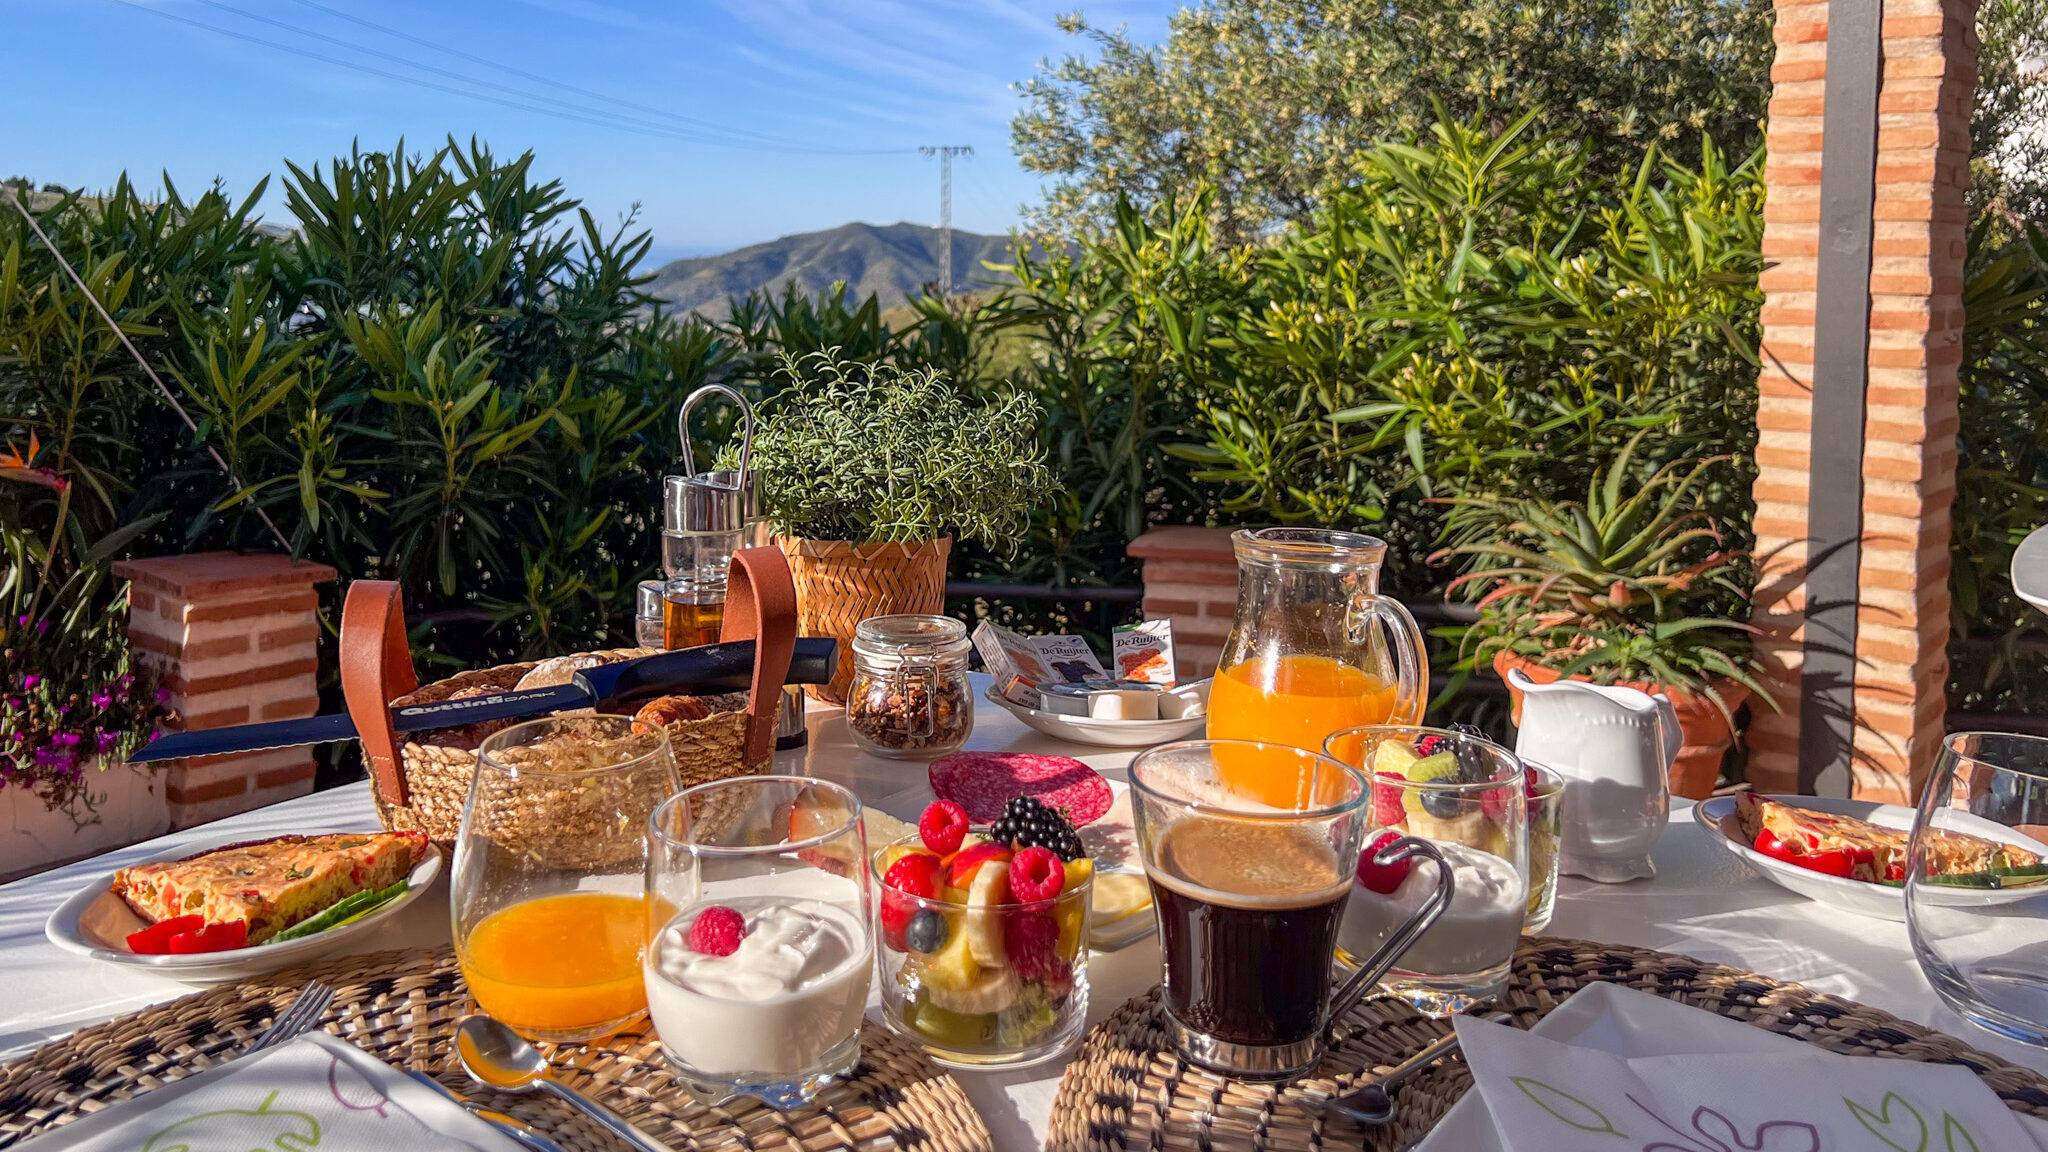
(1883,901)
(1604,1018)
(1105,733)
(241,963)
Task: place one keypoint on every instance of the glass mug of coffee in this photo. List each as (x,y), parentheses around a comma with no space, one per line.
(1249,896)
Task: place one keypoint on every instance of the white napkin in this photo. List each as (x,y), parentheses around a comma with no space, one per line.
(315,1094)
(1546,1096)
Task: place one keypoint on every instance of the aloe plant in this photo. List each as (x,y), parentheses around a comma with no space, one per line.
(1635,582)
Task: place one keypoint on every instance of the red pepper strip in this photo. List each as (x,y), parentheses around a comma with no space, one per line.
(1835,862)
(222,937)
(1895,871)
(155,940)
(1768,843)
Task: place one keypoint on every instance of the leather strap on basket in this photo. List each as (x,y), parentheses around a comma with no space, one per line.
(760,605)
(376,668)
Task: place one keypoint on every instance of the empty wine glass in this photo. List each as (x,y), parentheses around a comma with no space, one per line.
(1976,880)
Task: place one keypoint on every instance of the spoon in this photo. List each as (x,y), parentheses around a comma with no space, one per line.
(497,1057)
(1373,1104)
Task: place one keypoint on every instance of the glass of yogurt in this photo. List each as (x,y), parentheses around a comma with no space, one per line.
(1467,795)
(760,951)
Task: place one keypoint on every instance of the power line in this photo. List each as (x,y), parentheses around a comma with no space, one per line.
(585,116)
(457,76)
(535,77)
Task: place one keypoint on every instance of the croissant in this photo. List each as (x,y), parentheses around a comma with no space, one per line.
(666,710)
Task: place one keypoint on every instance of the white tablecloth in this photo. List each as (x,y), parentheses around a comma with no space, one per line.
(1701,904)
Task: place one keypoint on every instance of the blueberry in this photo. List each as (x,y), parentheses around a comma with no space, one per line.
(1442,804)
(926,931)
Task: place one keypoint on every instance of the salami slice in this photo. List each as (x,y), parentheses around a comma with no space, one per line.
(982,782)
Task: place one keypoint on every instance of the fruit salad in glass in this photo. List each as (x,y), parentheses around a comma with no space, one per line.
(983,932)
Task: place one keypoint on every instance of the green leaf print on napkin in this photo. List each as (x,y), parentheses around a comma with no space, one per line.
(232,1133)
(1558,1102)
(1893,1132)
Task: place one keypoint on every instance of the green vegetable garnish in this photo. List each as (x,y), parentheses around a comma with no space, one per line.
(346,910)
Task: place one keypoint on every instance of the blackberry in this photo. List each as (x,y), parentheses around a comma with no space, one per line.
(1474,766)
(1027,822)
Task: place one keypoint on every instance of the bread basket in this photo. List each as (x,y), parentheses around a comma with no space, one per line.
(421,781)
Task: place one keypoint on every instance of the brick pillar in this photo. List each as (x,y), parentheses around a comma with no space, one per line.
(1929,50)
(235,637)
(1191,579)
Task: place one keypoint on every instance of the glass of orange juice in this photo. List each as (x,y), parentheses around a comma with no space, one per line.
(547,891)
(1314,649)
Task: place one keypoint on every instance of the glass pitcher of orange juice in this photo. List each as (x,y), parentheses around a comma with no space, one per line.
(1314,648)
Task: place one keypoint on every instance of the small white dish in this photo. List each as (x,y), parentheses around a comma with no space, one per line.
(1108,733)
(63,930)
(1603,1017)
(1718,816)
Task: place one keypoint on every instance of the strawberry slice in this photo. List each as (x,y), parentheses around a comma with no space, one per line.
(1387,811)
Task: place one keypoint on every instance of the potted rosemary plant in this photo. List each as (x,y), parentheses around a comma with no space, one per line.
(866,473)
(1638,588)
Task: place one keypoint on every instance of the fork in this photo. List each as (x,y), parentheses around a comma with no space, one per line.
(300,1017)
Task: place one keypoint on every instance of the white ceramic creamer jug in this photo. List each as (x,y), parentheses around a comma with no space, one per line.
(1614,747)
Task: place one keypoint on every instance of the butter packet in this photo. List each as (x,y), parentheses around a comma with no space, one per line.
(1144,652)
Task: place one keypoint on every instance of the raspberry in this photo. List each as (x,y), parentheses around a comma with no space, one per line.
(942,827)
(915,875)
(1036,874)
(1529,783)
(1428,745)
(717,931)
(1493,803)
(1031,940)
(1382,878)
(1386,803)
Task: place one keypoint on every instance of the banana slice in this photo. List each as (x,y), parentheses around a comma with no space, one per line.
(984,921)
(992,990)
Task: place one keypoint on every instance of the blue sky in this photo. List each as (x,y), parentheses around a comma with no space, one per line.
(97,86)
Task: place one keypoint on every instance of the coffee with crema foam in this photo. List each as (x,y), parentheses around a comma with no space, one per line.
(1248,914)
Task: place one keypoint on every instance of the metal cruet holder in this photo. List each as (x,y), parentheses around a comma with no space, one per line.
(706,516)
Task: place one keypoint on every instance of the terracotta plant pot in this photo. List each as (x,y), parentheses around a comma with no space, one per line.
(1706,731)
(839,584)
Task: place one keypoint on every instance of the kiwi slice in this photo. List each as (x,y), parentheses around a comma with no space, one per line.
(1442,766)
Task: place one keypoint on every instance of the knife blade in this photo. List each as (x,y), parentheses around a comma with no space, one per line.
(703,670)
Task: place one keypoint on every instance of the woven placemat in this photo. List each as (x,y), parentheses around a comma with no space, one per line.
(1127,1090)
(402,1007)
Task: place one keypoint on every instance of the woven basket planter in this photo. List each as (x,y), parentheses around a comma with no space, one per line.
(839,584)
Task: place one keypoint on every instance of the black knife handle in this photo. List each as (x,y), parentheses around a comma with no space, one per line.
(727,667)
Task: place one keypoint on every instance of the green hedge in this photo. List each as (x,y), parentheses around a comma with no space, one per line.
(446,374)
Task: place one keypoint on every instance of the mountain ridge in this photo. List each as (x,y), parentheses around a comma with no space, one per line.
(890,261)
